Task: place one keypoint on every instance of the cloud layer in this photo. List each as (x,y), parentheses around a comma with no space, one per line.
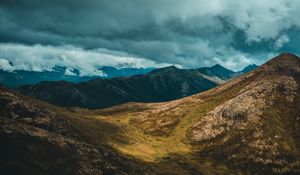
(45,58)
(191,33)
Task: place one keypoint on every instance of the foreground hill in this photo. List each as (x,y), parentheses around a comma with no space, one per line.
(40,139)
(249,125)
(159,85)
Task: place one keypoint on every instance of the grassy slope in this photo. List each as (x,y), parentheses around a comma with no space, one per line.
(169,153)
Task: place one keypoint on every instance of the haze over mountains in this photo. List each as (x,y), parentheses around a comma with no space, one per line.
(159,85)
(249,125)
(21,77)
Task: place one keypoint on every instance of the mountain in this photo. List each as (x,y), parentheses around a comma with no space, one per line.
(218,71)
(159,85)
(13,79)
(223,73)
(21,77)
(248,68)
(249,125)
(112,72)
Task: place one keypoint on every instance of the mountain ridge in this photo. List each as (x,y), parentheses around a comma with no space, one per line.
(13,79)
(162,84)
(21,77)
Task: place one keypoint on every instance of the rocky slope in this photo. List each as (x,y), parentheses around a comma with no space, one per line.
(259,126)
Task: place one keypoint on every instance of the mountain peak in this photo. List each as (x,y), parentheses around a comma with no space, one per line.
(286,54)
(165,69)
(249,68)
(170,68)
(284,59)
(217,71)
(218,66)
(283,64)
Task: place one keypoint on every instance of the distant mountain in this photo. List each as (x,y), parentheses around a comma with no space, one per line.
(218,71)
(159,85)
(20,77)
(248,68)
(223,73)
(112,72)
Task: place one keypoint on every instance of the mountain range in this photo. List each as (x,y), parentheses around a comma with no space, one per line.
(17,78)
(248,125)
(159,85)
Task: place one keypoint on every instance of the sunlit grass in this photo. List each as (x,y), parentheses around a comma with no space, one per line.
(129,139)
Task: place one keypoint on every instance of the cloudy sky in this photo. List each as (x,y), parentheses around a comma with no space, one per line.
(85,34)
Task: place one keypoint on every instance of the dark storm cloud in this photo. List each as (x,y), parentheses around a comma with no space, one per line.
(190,33)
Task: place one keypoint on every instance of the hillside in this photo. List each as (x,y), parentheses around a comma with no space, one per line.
(249,125)
(40,139)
